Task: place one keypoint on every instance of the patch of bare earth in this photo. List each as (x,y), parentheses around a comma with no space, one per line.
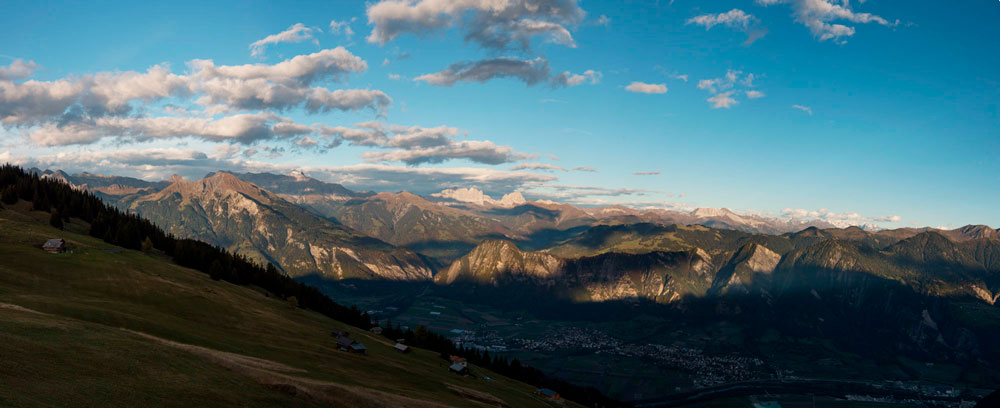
(11,306)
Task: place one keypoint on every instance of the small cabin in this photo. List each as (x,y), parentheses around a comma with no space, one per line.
(458,369)
(402,348)
(54,246)
(344,342)
(376,330)
(459,360)
(547,393)
(357,348)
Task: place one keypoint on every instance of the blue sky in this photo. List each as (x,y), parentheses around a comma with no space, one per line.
(880,112)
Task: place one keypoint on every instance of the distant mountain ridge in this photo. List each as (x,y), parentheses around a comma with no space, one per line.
(306,226)
(111,188)
(225,210)
(517,214)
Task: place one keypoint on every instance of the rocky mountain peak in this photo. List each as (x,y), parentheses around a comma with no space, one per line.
(712,212)
(225,181)
(512,199)
(750,261)
(473,195)
(759,258)
(974,232)
(496,259)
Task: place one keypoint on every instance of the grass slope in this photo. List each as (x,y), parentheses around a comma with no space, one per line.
(102,326)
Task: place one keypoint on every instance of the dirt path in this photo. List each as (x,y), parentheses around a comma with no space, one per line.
(11,306)
(276,376)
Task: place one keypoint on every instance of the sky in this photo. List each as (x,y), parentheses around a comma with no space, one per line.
(858,112)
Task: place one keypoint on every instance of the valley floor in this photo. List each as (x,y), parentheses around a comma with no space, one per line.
(656,361)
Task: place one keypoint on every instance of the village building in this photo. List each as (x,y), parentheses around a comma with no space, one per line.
(459,369)
(350,345)
(343,342)
(376,330)
(547,393)
(402,348)
(54,246)
(459,360)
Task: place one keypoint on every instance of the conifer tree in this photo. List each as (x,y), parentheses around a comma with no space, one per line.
(55,220)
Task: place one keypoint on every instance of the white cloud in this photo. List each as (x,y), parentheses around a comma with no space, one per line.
(415,145)
(332,63)
(642,87)
(647,173)
(708,84)
(492,24)
(243,128)
(480,151)
(531,72)
(820,17)
(603,20)
(805,109)
(19,69)
(337,27)
(82,102)
(735,18)
(723,89)
(570,79)
(587,169)
(722,100)
(584,195)
(296,33)
(160,163)
(844,219)
(538,166)
(419,137)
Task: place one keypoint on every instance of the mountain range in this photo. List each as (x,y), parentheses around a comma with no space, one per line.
(306,226)
(927,294)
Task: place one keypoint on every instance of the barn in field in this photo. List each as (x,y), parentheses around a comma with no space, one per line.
(54,246)
(547,394)
(458,369)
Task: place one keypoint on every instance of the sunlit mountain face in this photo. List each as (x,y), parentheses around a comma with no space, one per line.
(659,203)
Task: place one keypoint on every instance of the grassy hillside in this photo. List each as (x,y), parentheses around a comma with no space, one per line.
(103,326)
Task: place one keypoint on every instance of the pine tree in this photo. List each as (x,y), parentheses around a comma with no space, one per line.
(9,195)
(147,245)
(216,271)
(39,202)
(55,220)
